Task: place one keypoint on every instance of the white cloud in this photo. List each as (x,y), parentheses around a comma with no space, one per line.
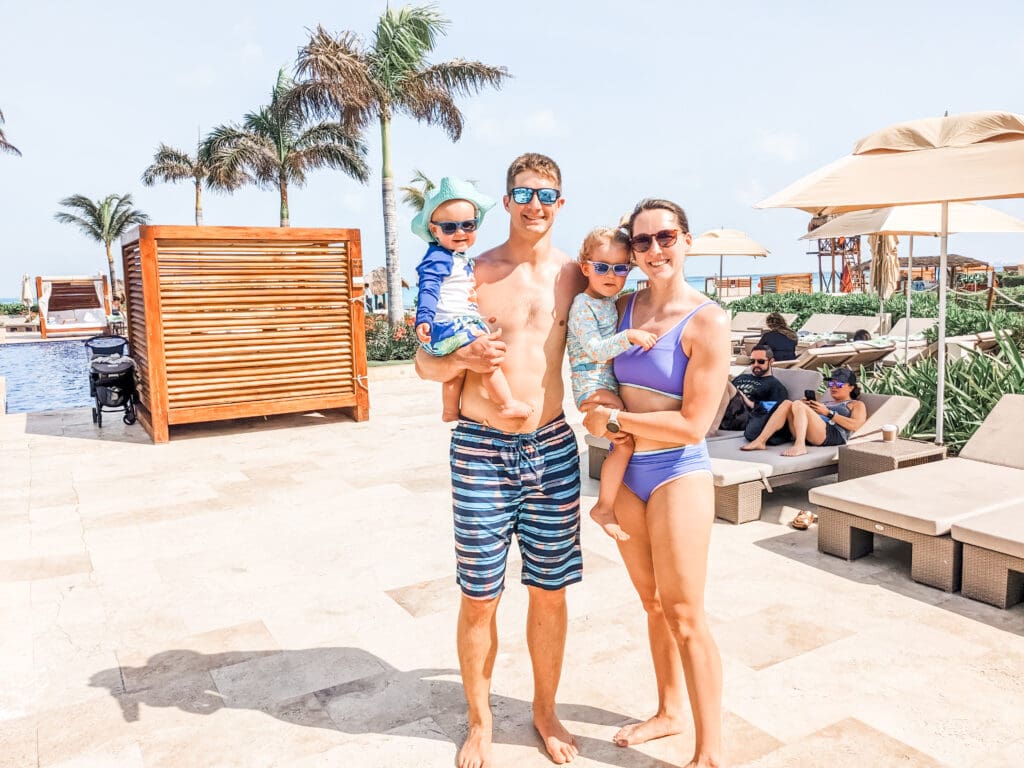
(787,147)
(750,192)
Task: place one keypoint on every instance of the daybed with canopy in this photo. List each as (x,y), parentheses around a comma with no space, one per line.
(76,304)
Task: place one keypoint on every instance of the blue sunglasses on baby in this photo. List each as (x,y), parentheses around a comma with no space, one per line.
(619,270)
(451,227)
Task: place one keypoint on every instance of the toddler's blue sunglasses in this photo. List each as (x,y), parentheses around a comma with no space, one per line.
(451,227)
(523,195)
(619,270)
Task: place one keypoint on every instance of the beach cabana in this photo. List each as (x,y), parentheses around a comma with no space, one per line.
(75,304)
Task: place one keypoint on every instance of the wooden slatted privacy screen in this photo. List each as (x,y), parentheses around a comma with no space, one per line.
(226,322)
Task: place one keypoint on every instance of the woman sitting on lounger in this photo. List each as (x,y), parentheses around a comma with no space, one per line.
(817,423)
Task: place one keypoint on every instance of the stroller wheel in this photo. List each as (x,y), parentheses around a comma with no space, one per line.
(130,417)
(94,415)
(99,417)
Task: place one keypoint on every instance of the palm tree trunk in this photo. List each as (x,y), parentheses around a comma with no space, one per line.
(283,185)
(396,310)
(199,203)
(113,274)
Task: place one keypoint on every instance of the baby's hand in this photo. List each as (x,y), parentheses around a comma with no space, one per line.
(423,332)
(644,339)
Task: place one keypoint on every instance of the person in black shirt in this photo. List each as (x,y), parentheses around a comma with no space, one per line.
(757,392)
(780,337)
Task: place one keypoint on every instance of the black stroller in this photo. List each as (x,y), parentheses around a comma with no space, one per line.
(111,377)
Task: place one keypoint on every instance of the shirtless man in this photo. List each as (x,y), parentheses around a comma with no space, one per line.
(516,476)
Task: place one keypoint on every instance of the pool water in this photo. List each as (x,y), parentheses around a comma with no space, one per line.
(45,375)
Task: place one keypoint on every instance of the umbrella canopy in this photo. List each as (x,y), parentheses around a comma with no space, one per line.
(725,242)
(917,220)
(973,156)
(884,271)
(27,297)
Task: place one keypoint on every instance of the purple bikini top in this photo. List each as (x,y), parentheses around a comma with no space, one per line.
(662,367)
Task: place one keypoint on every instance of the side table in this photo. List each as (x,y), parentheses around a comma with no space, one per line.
(869,458)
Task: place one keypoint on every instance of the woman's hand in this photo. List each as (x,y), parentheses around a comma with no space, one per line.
(817,407)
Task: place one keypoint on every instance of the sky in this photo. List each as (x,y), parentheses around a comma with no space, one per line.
(713,105)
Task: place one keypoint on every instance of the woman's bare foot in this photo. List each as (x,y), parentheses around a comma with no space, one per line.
(654,728)
(605,517)
(515,409)
(704,762)
(476,749)
(796,450)
(559,743)
(754,445)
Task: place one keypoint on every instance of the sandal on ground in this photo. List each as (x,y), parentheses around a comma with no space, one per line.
(803,520)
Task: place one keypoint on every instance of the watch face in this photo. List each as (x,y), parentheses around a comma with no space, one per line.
(613,426)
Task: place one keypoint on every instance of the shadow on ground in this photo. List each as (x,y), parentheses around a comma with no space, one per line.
(375,697)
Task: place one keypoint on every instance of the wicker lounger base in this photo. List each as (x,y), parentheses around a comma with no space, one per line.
(739,503)
(935,560)
(993,577)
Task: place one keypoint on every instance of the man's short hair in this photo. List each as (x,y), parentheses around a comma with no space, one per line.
(768,351)
(536,162)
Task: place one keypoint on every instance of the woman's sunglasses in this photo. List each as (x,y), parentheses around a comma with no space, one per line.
(451,227)
(836,384)
(523,195)
(619,270)
(666,239)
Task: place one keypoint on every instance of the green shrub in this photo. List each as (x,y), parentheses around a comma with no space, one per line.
(1010,281)
(974,385)
(923,304)
(12,308)
(386,343)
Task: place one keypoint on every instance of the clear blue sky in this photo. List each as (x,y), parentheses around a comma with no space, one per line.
(715,105)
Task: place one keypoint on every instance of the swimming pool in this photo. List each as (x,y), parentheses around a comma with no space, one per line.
(45,375)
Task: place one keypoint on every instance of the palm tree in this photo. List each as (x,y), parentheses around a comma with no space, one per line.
(415,194)
(173,165)
(341,75)
(103,220)
(6,146)
(274,147)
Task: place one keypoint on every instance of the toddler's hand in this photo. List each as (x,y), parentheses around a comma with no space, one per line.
(644,339)
(423,332)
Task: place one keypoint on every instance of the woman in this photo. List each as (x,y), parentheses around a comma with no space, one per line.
(667,503)
(780,337)
(817,423)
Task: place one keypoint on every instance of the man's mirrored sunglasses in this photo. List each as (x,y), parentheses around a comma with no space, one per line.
(451,227)
(601,268)
(524,195)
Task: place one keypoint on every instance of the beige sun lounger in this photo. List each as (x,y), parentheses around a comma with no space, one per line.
(818,357)
(870,323)
(741,476)
(822,323)
(921,504)
(910,326)
(868,353)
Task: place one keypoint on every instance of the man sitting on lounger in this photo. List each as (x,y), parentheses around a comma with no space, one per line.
(759,393)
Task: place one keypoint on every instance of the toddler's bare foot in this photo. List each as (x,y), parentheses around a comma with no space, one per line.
(450,415)
(753,445)
(559,743)
(476,750)
(654,728)
(515,409)
(605,517)
(796,450)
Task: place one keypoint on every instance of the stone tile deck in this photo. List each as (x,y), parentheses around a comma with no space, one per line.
(279,592)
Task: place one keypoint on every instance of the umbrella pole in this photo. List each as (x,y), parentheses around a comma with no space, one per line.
(910,280)
(940,391)
(718,288)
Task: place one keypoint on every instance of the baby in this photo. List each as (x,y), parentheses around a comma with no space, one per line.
(447,317)
(593,342)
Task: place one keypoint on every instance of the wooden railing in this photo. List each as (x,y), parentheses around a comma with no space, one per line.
(228,322)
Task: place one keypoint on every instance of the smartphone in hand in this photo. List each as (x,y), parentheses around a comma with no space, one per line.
(810,394)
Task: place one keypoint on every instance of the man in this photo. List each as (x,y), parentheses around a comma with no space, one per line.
(516,475)
(761,392)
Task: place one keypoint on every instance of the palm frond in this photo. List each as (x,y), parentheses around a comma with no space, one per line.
(5,145)
(334,79)
(435,107)
(415,193)
(171,165)
(460,77)
(102,220)
(403,38)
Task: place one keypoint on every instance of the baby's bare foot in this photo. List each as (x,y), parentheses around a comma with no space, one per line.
(515,409)
(447,415)
(605,517)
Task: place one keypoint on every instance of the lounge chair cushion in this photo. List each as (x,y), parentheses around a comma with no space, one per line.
(729,472)
(997,440)
(816,457)
(927,498)
(1000,531)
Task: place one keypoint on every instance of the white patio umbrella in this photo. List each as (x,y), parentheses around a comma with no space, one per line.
(917,220)
(973,156)
(725,242)
(26,290)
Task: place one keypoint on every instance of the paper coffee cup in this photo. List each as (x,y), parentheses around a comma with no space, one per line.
(889,432)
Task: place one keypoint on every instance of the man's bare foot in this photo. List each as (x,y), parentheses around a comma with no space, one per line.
(476,749)
(515,409)
(605,517)
(796,450)
(753,445)
(559,743)
(449,415)
(655,728)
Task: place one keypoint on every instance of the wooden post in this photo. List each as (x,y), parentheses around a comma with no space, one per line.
(42,315)
(361,410)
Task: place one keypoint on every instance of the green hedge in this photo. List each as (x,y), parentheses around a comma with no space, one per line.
(12,308)
(922,304)
(1010,281)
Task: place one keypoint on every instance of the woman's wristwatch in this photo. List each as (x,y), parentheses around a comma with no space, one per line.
(613,421)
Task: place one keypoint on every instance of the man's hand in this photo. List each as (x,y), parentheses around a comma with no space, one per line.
(423,332)
(484,355)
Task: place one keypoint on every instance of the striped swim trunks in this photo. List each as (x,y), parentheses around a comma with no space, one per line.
(527,484)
